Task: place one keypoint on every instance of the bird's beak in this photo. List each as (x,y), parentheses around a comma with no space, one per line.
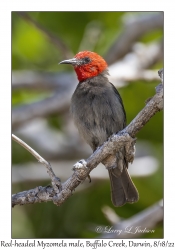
(72,61)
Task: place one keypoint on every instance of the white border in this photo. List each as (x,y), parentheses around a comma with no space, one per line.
(5,92)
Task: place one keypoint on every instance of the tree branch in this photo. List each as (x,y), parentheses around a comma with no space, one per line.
(114,143)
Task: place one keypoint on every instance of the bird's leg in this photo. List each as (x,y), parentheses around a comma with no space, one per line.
(130,149)
(114,163)
(81,167)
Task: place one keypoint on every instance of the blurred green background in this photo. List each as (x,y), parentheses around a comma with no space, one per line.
(32,50)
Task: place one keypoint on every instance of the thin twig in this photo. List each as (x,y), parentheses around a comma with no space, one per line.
(55,180)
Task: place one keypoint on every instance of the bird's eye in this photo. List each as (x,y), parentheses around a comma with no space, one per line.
(86,59)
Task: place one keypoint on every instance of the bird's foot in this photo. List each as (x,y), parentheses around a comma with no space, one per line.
(80,164)
(81,167)
(130,149)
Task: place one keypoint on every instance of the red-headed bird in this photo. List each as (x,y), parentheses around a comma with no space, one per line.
(98,112)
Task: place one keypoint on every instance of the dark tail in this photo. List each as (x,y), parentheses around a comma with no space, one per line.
(123,189)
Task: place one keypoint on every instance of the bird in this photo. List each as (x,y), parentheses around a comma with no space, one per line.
(98,112)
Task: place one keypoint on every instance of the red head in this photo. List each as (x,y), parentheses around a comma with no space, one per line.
(87,64)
